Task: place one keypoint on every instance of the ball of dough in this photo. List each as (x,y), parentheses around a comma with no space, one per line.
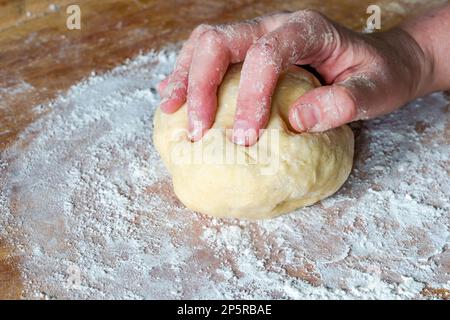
(282,172)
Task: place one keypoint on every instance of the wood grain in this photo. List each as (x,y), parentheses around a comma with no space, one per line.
(40,57)
(10,280)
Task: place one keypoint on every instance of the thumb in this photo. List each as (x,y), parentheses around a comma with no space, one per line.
(329,107)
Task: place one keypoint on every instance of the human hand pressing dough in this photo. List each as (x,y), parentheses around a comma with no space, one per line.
(366,75)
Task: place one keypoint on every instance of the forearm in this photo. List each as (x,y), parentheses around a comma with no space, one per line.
(431,31)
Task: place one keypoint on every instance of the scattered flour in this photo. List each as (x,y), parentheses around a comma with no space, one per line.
(16,89)
(88,206)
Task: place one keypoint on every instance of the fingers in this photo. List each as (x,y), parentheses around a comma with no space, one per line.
(173,89)
(214,50)
(209,64)
(306,37)
(303,37)
(235,40)
(259,76)
(359,96)
(323,108)
(162,85)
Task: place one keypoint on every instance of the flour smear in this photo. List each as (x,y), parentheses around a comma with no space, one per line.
(87,204)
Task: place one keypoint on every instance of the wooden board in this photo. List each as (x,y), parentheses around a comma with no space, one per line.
(40,57)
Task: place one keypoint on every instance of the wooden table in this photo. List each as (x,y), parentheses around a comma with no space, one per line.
(40,57)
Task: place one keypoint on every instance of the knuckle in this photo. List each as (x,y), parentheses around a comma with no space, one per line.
(319,33)
(308,14)
(201,29)
(265,47)
(312,18)
(266,51)
(210,36)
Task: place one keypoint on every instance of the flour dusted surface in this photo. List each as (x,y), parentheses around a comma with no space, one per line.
(88,205)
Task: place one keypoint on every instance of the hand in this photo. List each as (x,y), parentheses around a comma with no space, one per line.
(366,75)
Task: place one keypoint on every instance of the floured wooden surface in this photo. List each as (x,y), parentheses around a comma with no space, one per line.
(88,206)
(41,59)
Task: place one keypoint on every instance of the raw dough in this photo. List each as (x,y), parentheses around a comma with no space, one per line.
(218,178)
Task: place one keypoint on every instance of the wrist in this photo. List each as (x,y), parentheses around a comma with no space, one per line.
(420,59)
(431,34)
(412,64)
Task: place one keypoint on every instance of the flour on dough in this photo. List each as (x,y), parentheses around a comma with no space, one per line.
(282,172)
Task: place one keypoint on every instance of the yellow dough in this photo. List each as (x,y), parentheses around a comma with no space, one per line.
(282,172)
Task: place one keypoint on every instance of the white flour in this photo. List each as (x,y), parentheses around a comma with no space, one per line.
(87,203)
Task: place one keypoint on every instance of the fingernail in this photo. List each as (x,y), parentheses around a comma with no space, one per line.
(305,117)
(160,85)
(164,105)
(195,130)
(243,133)
(168,89)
